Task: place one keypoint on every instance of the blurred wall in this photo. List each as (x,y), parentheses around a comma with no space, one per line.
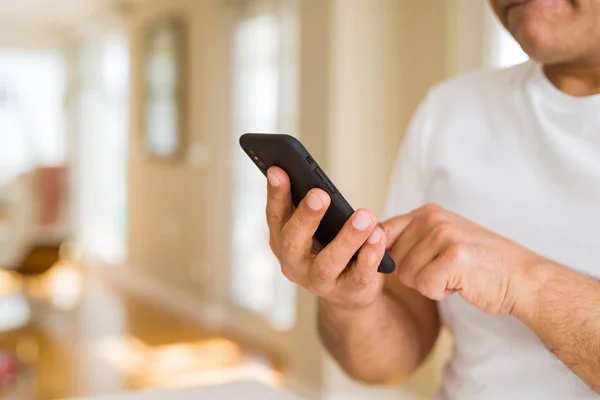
(167,236)
(24,35)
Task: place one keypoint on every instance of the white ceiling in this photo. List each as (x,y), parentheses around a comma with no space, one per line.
(53,11)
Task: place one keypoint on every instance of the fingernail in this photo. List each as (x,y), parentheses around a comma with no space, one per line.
(362,221)
(273,181)
(314,202)
(374,237)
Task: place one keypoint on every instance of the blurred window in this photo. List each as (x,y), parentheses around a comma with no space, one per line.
(263,101)
(102,148)
(504,50)
(32,121)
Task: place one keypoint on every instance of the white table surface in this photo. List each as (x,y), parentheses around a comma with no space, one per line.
(229,391)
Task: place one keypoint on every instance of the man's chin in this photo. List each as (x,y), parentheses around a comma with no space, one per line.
(539,45)
(545,56)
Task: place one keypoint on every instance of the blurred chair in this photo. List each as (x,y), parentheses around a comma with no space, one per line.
(32,221)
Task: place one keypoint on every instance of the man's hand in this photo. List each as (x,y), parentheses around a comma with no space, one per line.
(324,274)
(439,253)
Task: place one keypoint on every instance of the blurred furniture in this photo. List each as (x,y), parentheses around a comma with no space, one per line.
(32,220)
(230,391)
(17,220)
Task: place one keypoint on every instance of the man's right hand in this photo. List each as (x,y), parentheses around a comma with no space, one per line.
(328,274)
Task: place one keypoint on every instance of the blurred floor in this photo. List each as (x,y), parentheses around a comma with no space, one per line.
(106,341)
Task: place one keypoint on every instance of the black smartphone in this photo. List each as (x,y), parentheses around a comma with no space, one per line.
(286,152)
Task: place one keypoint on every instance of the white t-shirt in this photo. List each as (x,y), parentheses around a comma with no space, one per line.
(507,150)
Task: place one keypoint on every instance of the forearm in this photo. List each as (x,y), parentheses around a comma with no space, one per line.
(378,344)
(564,311)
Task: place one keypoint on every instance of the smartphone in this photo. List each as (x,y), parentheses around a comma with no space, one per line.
(286,152)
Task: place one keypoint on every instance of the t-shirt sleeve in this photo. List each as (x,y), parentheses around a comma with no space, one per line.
(409,179)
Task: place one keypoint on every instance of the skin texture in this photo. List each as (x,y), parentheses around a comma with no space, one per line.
(564,35)
(381,328)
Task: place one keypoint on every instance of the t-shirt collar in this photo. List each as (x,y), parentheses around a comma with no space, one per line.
(571,104)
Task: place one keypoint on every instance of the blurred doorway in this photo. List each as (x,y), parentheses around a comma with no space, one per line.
(263,81)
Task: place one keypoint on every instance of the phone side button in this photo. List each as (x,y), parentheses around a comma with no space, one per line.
(329,185)
(321,174)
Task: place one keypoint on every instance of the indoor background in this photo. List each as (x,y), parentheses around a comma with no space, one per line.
(133,246)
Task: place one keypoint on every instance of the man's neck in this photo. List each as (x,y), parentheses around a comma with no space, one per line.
(575,79)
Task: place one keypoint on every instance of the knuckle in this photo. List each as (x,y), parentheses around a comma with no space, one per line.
(457,253)
(288,245)
(442,232)
(430,208)
(425,285)
(435,217)
(322,272)
(274,218)
(361,280)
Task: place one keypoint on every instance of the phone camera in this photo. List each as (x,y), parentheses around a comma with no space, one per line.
(255,157)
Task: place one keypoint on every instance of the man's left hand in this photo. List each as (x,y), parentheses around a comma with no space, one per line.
(439,253)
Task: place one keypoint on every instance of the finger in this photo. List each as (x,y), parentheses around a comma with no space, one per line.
(404,244)
(441,277)
(424,220)
(279,200)
(332,260)
(364,271)
(296,240)
(424,252)
(393,227)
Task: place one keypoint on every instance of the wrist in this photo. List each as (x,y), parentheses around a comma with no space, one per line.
(347,308)
(532,284)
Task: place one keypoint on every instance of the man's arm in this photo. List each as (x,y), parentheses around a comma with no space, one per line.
(440,253)
(386,341)
(564,311)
